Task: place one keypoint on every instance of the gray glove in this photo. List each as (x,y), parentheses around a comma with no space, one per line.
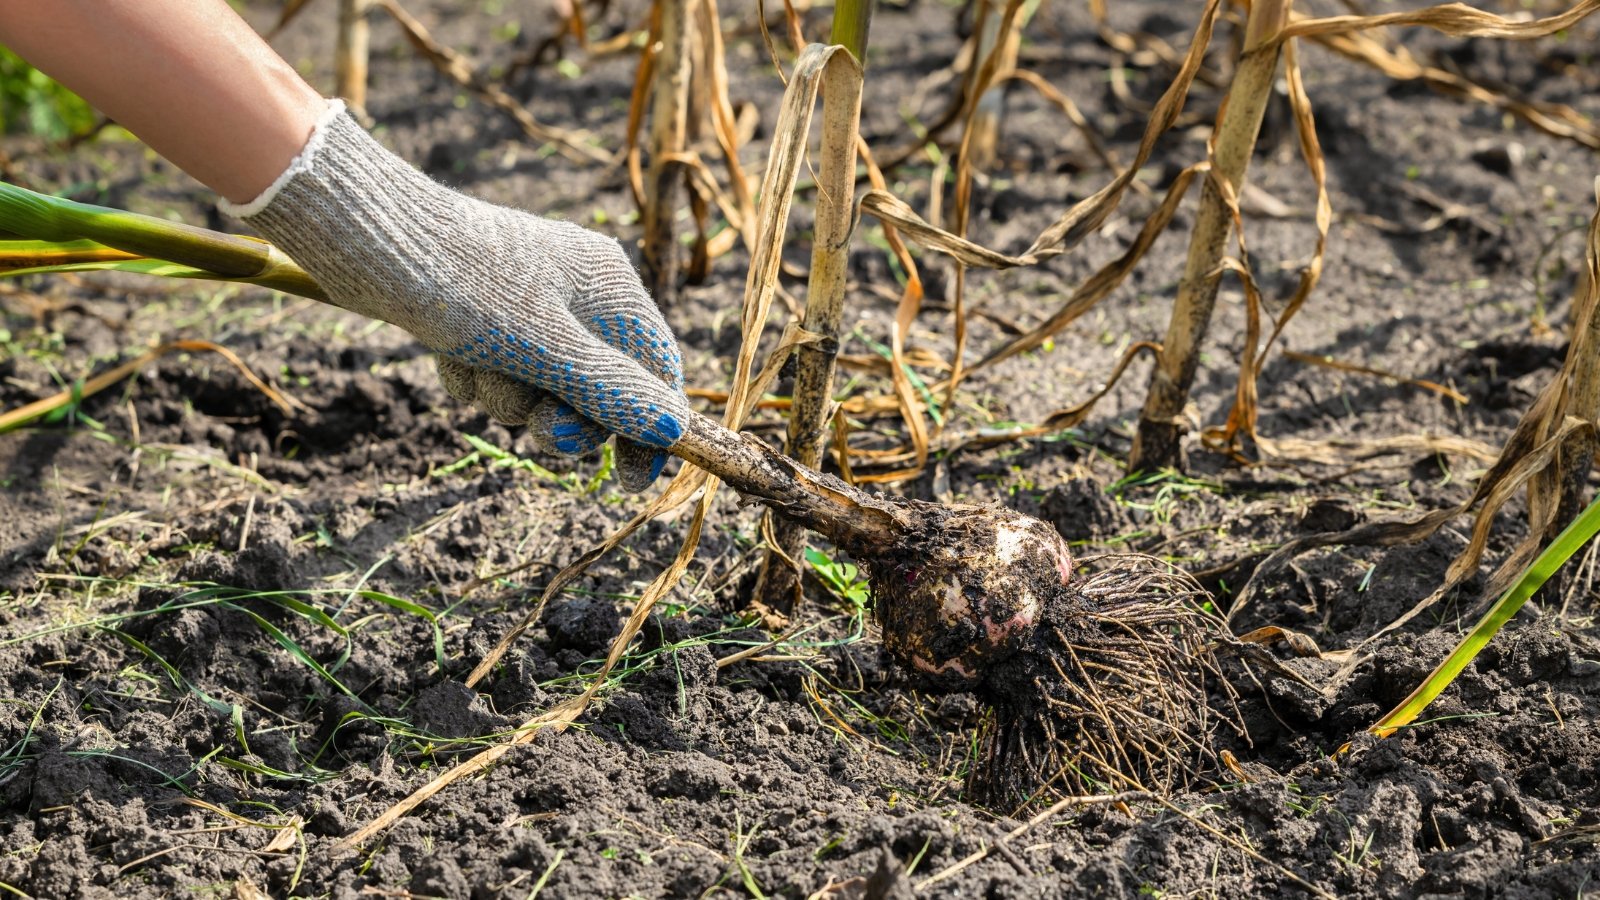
(536,320)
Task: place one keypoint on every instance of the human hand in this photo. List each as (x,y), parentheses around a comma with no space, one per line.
(535,320)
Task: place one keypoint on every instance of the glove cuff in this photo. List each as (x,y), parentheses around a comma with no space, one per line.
(373,230)
(302,162)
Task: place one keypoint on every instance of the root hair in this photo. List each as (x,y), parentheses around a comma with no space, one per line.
(1114,693)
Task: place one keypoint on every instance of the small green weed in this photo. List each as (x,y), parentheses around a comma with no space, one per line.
(488,454)
(1171,489)
(842,578)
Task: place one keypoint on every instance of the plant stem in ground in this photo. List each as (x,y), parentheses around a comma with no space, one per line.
(1157,444)
(669,128)
(1583,392)
(850,517)
(350,56)
(778,586)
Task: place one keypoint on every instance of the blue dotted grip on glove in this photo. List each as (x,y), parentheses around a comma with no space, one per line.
(617,411)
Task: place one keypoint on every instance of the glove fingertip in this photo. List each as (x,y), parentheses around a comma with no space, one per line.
(506,400)
(557,428)
(457,379)
(663,433)
(638,466)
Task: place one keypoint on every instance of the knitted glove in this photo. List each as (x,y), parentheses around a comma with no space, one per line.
(536,320)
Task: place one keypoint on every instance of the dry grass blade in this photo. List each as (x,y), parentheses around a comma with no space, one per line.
(1090,134)
(712,68)
(706,187)
(1074,415)
(1100,285)
(1455,19)
(1580,387)
(1329,362)
(1550,453)
(1341,451)
(1151,47)
(784,162)
(998,40)
(982,76)
(22,415)
(724,124)
(910,404)
(1057,421)
(642,77)
(1089,214)
(1518,463)
(1528,471)
(1083,217)
(894,211)
(574,145)
(559,716)
(950,443)
(1557,119)
(1242,417)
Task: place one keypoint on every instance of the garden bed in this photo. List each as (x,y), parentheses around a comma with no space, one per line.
(162,739)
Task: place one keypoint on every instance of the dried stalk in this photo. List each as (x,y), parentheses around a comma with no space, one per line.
(1581,375)
(778,586)
(985,124)
(351,52)
(669,128)
(1157,444)
(856,521)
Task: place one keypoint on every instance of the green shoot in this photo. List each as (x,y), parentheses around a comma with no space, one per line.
(851,21)
(1563,548)
(842,578)
(200,253)
(504,459)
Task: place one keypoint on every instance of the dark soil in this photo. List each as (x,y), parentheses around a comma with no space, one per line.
(156,739)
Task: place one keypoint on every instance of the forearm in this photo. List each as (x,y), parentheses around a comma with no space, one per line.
(188,77)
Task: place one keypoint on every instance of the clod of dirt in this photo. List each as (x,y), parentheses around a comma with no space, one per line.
(453,710)
(585,624)
(1081,511)
(1500,158)
(1329,515)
